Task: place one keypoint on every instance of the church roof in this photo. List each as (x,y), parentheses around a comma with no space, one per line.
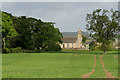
(69,34)
(69,39)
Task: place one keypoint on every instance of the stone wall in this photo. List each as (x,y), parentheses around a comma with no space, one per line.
(68,45)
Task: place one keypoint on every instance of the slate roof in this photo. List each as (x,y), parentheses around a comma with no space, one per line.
(74,34)
(69,34)
(69,39)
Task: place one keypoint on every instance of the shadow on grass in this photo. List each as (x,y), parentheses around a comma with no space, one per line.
(73,52)
(60,79)
(82,52)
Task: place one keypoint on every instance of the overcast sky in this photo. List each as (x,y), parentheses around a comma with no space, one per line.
(68,16)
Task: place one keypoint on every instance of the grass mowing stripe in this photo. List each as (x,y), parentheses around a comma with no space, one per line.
(48,66)
(90,73)
(111,64)
(98,69)
(51,65)
(12,58)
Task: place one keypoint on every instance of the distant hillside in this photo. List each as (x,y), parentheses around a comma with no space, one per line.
(74,34)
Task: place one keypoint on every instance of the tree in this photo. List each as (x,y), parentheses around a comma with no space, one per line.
(103,26)
(52,37)
(35,34)
(8,30)
(84,39)
(32,33)
(92,45)
(26,28)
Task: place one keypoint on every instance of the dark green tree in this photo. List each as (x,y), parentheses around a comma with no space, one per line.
(103,25)
(25,28)
(34,34)
(84,39)
(53,37)
(92,45)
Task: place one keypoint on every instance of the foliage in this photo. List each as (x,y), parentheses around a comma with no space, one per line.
(32,33)
(84,39)
(52,46)
(6,50)
(16,50)
(57,65)
(103,25)
(109,47)
(92,45)
(12,50)
(32,51)
(8,30)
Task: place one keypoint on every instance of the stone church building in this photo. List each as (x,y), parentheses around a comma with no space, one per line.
(73,42)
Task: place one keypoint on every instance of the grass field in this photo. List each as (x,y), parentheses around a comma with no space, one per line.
(59,65)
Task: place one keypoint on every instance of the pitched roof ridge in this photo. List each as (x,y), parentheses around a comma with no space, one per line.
(69,37)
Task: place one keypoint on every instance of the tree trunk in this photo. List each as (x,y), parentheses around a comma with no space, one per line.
(4,42)
(105,52)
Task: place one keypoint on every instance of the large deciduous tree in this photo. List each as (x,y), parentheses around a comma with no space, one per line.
(26,27)
(8,30)
(32,33)
(35,34)
(103,25)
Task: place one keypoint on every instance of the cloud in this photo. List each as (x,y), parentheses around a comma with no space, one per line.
(68,16)
(60,0)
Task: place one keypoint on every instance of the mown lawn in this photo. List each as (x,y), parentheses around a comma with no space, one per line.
(111,64)
(55,65)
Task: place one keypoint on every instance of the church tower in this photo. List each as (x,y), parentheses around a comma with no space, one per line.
(79,39)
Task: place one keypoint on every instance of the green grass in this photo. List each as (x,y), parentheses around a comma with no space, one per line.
(98,72)
(87,51)
(54,65)
(111,64)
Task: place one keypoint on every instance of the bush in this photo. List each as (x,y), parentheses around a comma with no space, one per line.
(32,51)
(14,50)
(54,47)
(6,50)
(92,45)
(17,50)
(109,47)
(118,49)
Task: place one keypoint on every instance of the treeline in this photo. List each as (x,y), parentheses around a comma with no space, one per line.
(29,33)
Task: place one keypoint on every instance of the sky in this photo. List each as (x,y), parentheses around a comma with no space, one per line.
(68,16)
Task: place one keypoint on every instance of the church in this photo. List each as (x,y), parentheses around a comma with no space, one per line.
(73,42)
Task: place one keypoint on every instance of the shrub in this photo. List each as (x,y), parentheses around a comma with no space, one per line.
(92,45)
(6,50)
(17,50)
(14,50)
(32,51)
(109,47)
(54,47)
(119,49)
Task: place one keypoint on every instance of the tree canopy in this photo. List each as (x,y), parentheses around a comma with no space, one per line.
(32,33)
(103,25)
(7,27)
